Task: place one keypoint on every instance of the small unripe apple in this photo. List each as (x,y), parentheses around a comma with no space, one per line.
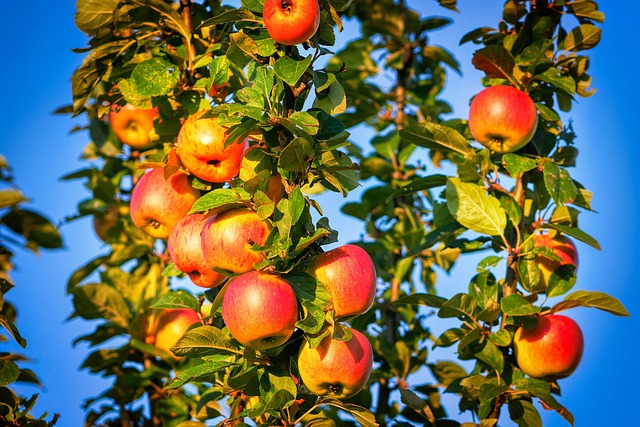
(170,325)
(503,118)
(158,203)
(260,310)
(134,126)
(291,22)
(336,368)
(228,238)
(551,350)
(201,148)
(563,247)
(350,276)
(185,250)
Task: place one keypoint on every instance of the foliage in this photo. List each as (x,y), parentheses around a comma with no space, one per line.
(298,112)
(20,228)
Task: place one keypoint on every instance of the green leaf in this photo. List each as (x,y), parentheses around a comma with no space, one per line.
(38,230)
(230,15)
(421,184)
(491,355)
(447,372)
(101,301)
(575,232)
(13,331)
(436,137)
(524,413)
(529,273)
(155,77)
(474,208)
(593,299)
(11,197)
(517,305)
(586,9)
(554,77)
(333,100)
(559,184)
(305,121)
(584,37)
(290,70)
(204,341)
(511,207)
(416,403)
(9,372)
(93,15)
(518,164)
(295,156)
(449,337)
(362,415)
(501,338)
(462,306)
(178,299)
(496,61)
(421,299)
(221,199)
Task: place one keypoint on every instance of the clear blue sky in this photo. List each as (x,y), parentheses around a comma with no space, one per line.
(37,64)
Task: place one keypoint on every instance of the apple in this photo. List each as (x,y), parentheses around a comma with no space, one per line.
(185,250)
(158,202)
(260,310)
(336,368)
(551,350)
(201,148)
(170,325)
(291,22)
(106,224)
(228,238)
(350,276)
(561,246)
(503,118)
(134,126)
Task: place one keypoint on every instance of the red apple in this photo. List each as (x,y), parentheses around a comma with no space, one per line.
(228,238)
(291,22)
(551,350)
(561,246)
(170,325)
(158,203)
(349,274)
(185,250)
(201,148)
(336,368)
(134,126)
(503,118)
(260,310)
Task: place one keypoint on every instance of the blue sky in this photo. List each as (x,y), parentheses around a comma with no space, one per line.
(37,64)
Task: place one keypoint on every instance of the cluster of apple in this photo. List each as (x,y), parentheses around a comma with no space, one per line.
(504,119)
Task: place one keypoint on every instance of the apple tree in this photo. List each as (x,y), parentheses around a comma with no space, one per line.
(431,194)
(20,229)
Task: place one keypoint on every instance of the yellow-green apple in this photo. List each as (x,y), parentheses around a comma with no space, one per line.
(105,224)
(159,202)
(291,22)
(563,247)
(134,126)
(170,325)
(336,368)
(275,189)
(503,118)
(185,250)
(349,275)
(260,310)
(201,148)
(551,350)
(228,238)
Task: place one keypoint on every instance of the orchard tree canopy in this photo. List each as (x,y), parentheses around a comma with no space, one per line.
(213,130)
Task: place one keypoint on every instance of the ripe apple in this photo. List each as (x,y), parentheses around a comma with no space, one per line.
(291,22)
(105,224)
(201,149)
(158,203)
(260,310)
(185,250)
(349,274)
(503,118)
(134,126)
(170,325)
(551,350)
(563,247)
(336,368)
(228,238)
